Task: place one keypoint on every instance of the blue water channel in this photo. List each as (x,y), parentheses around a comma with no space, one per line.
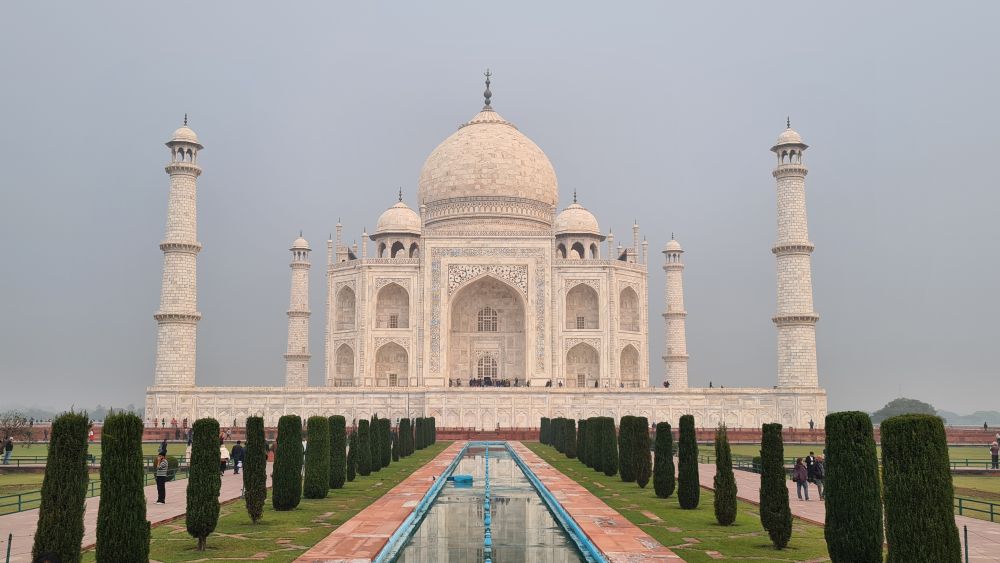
(521,526)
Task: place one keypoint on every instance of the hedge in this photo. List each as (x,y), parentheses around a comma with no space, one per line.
(64,488)
(375,429)
(853,492)
(643,463)
(364,456)
(724,481)
(286,479)
(352,457)
(916,474)
(626,449)
(609,447)
(317,481)
(775,515)
(405,437)
(338,448)
(204,481)
(581,444)
(255,469)
(122,528)
(688,485)
(543,433)
(663,469)
(570,436)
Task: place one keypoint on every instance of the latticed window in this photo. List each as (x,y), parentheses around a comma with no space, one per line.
(581,379)
(487,321)
(581,322)
(487,366)
(393,321)
(393,380)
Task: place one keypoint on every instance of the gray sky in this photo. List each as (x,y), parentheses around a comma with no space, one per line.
(661,112)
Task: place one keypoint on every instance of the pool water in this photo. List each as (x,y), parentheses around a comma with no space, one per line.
(523,528)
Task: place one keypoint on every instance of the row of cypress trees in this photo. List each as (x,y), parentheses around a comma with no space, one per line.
(598,444)
(633,450)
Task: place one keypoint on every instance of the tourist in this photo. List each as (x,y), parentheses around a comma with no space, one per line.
(163,447)
(90,435)
(162,471)
(800,475)
(223,458)
(811,424)
(986,427)
(7,448)
(810,459)
(237,457)
(995,455)
(818,475)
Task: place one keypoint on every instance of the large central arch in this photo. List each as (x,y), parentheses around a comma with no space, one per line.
(487,319)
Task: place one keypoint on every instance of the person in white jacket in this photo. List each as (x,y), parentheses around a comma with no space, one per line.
(223,458)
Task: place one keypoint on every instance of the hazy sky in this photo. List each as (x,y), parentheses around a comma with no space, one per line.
(662,112)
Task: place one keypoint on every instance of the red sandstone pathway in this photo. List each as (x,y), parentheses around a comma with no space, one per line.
(362,537)
(984,536)
(23,524)
(617,538)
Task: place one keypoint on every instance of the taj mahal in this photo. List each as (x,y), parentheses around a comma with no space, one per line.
(486,306)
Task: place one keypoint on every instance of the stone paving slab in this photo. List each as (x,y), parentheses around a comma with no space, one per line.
(984,536)
(362,537)
(617,538)
(24,524)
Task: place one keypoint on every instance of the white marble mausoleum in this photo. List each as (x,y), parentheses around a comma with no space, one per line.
(484,305)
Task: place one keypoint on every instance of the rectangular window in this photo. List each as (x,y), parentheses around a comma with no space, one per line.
(393,321)
(581,322)
(581,379)
(393,380)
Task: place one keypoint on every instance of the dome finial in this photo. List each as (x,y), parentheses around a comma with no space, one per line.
(671,235)
(487,94)
(574,195)
(300,232)
(185,120)
(788,122)
(400,194)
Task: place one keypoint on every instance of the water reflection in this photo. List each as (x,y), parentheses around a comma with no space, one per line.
(523,528)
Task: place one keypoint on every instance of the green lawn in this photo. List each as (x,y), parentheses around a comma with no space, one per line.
(14,483)
(676,528)
(148,448)
(279,536)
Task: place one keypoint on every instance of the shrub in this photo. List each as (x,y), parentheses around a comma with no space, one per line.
(570,449)
(663,469)
(643,463)
(364,456)
(317,480)
(338,447)
(204,481)
(375,435)
(557,433)
(64,488)
(543,432)
(418,434)
(916,474)
(725,481)
(609,447)
(626,449)
(352,457)
(395,447)
(595,435)
(122,528)
(405,437)
(255,469)
(434,435)
(688,486)
(581,452)
(286,480)
(775,515)
(853,492)
(386,442)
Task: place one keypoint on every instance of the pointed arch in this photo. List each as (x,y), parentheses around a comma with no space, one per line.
(577,252)
(391,366)
(414,250)
(628,310)
(629,366)
(561,250)
(499,309)
(582,308)
(398,247)
(344,366)
(583,366)
(346,309)
(392,307)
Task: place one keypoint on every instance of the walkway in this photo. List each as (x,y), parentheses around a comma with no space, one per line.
(23,524)
(617,538)
(362,537)
(984,536)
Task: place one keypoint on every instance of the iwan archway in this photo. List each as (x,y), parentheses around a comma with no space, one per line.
(487,333)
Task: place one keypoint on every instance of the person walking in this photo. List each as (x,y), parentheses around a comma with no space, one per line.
(237,456)
(818,475)
(8,447)
(162,472)
(801,477)
(223,458)
(995,455)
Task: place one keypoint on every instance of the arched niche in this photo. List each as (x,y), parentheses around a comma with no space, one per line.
(344,366)
(487,316)
(392,307)
(629,366)
(346,309)
(582,308)
(583,366)
(391,366)
(628,310)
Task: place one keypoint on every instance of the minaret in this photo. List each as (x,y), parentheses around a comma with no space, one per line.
(178,316)
(635,241)
(297,356)
(795,318)
(675,356)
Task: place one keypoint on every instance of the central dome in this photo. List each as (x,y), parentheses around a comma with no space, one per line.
(488,170)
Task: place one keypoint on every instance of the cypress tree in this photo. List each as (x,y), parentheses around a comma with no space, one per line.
(853,491)
(663,469)
(286,480)
(352,457)
(688,486)
(557,428)
(916,474)
(570,438)
(581,440)
(413,435)
(395,447)
(405,437)
(122,528)
(204,481)
(364,456)
(595,435)
(725,481)
(609,447)
(255,469)
(64,488)
(317,480)
(375,435)
(338,448)
(775,515)
(434,430)
(626,449)
(385,426)
(543,432)
(643,462)
(418,427)
(428,431)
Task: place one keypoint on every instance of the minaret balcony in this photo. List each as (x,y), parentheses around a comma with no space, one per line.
(178,318)
(183,168)
(797,319)
(176,246)
(793,248)
(790,170)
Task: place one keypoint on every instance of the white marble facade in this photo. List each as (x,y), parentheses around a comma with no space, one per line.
(483,282)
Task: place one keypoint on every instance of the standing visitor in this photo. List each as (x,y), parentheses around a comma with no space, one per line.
(237,456)
(809,463)
(818,474)
(162,471)
(163,447)
(995,455)
(801,477)
(90,436)
(7,448)
(223,457)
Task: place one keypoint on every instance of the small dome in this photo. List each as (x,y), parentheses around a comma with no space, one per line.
(184,134)
(789,137)
(300,244)
(398,219)
(672,246)
(575,219)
